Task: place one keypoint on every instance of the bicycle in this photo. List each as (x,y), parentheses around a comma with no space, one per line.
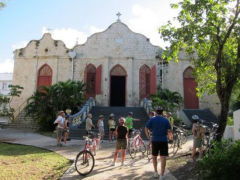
(136,144)
(149,150)
(85,161)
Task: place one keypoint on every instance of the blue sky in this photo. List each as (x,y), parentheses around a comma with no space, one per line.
(72,20)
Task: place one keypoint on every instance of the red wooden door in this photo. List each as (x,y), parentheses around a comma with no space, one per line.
(153,80)
(144,81)
(44,76)
(190,94)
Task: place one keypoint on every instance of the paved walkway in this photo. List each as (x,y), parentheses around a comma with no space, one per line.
(139,168)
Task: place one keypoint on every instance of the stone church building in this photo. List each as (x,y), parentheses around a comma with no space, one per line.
(120,68)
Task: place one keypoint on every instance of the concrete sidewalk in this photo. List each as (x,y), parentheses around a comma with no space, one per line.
(138,168)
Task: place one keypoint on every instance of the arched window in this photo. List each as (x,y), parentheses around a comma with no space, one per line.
(144,81)
(44,76)
(190,94)
(90,80)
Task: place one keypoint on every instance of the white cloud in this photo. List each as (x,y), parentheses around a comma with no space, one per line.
(19,45)
(70,36)
(149,16)
(6,65)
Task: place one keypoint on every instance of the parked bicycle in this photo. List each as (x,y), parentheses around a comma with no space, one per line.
(149,150)
(84,162)
(180,135)
(136,144)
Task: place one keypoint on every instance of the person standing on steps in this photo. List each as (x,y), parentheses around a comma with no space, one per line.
(121,144)
(60,127)
(112,127)
(89,124)
(129,123)
(100,125)
(161,131)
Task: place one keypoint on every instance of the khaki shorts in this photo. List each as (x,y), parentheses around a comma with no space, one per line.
(121,144)
(197,142)
(60,132)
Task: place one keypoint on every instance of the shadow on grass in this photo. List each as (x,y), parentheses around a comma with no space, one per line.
(9,149)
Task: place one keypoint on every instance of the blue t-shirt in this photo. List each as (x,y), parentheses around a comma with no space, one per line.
(159,127)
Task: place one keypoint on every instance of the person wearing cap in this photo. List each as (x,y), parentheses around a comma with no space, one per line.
(121,144)
(89,124)
(100,125)
(198,134)
(161,131)
(112,127)
(129,123)
(60,126)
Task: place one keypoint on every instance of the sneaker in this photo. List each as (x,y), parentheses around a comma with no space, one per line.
(155,175)
(161,177)
(123,164)
(113,164)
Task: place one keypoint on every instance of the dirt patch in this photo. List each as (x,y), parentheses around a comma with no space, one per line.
(183,168)
(7,140)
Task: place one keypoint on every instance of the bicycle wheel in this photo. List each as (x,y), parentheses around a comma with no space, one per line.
(183,138)
(142,147)
(149,152)
(84,162)
(132,151)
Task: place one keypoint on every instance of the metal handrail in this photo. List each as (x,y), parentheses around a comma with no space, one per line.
(80,116)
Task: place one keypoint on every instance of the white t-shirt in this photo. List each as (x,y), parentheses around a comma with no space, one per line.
(88,124)
(100,123)
(60,121)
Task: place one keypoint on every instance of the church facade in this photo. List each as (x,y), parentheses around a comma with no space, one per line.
(120,68)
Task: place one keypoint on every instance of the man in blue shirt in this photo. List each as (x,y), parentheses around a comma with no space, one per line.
(160,128)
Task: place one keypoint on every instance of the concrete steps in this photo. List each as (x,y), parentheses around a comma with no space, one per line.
(138,113)
(22,122)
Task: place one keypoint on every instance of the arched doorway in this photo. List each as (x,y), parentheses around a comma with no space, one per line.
(144,81)
(190,94)
(90,80)
(118,86)
(44,76)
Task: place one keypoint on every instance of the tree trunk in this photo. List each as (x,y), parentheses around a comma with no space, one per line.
(222,121)
(224,100)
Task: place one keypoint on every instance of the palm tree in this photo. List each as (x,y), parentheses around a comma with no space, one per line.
(47,101)
(167,99)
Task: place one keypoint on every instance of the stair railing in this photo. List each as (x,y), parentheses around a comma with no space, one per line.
(80,116)
(147,105)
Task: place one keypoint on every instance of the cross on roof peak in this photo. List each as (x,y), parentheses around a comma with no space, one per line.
(118,15)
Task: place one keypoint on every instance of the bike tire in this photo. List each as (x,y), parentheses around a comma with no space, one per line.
(132,151)
(83,158)
(143,147)
(149,152)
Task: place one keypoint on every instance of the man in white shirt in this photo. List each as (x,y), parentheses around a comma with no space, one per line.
(60,127)
(89,124)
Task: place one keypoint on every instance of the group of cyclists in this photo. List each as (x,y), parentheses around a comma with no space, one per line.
(159,128)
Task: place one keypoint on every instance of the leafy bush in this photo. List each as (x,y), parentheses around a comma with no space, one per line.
(230,121)
(168,100)
(46,102)
(223,161)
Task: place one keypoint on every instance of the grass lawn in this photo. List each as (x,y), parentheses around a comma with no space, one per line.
(28,162)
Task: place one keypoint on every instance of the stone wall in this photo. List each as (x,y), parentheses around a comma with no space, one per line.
(30,59)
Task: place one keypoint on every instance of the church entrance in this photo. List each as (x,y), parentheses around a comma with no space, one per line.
(117,91)
(118,86)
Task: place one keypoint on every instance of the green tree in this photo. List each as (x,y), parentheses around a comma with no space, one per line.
(5,101)
(46,102)
(209,32)
(168,100)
